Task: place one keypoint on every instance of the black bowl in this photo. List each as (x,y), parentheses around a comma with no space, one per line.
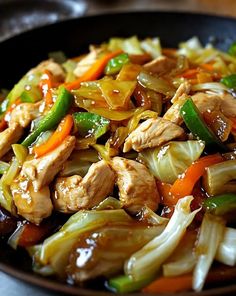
(19,54)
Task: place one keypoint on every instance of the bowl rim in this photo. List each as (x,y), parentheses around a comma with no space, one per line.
(121,13)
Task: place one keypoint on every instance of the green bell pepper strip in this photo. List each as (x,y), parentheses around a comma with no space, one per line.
(53,117)
(220,204)
(125,284)
(232,49)
(90,124)
(195,123)
(115,64)
(229,81)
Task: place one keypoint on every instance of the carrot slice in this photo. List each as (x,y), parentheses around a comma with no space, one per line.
(94,72)
(57,138)
(183,186)
(208,66)
(170,284)
(46,84)
(220,274)
(167,198)
(190,73)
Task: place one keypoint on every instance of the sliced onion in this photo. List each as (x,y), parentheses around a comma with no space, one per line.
(226,252)
(211,233)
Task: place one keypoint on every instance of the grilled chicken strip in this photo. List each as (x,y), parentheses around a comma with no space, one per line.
(183,89)
(160,65)
(137,187)
(206,102)
(55,68)
(32,205)
(181,95)
(224,102)
(228,105)
(24,113)
(85,63)
(41,171)
(8,137)
(75,193)
(152,133)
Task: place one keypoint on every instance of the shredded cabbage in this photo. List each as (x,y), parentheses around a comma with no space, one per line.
(52,253)
(226,252)
(129,45)
(213,86)
(169,161)
(183,259)
(219,178)
(211,233)
(152,46)
(149,259)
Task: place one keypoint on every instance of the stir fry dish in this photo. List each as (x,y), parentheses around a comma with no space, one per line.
(119,166)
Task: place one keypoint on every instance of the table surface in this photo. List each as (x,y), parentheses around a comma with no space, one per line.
(12,287)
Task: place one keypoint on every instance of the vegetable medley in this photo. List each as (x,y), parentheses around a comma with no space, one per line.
(120,165)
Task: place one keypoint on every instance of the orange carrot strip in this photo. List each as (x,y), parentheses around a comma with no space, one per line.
(208,66)
(167,198)
(94,72)
(170,284)
(62,131)
(46,84)
(190,73)
(183,186)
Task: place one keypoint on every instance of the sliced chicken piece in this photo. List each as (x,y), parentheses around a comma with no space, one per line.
(183,89)
(206,102)
(10,136)
(181,95)
(24,114)
(228,105)
(56,69)
(152,133)
(75,193)
(41,171)
(86,63)
(137,187)
(33,205)
(160,65)
(173,113)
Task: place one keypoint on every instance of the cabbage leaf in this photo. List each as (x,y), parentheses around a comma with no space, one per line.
(210,236)
(169,161)
(183,259)
(54,252)
(149,259)
(226,252)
